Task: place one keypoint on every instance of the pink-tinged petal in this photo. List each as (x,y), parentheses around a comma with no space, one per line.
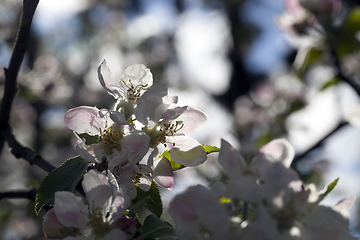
(86,120)
(172,113)
(116,158)
(325,223)
(127,171)
(264,226)
(71,210)
(136,145)
(118,118)
(344,205)
(150,105)
(138,74)
(52,227)
(198,206)
(82,237)
(192,119)
(244,187)
(186,150)
(106,79)
(231,160)
(98,190)
(129,185)
(91,153)
(278,150)
(115,234)
(173,99)
(182,208)
(119,205)
(163,174)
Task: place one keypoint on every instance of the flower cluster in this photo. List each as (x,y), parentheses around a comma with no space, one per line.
(143,118)
(140,141)
(127,153)
(262,199)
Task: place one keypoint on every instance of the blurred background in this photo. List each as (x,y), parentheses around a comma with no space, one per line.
(228,58)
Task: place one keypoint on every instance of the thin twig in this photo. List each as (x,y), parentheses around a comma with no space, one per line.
(319,143)
(27,194)
(20,151)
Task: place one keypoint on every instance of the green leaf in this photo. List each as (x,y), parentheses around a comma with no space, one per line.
(139,204)
(345,39)
(63,178)
(330,83)
(88,138)
(328,189)
(306,57)
(210,149)
(150,200)
(154,227)
(175,166)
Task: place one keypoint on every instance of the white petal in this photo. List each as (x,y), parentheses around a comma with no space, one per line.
(186,150)
(198,206)
(163,174)
(145,184)
(172,113)
(98,190)
(115,234)
(120,204)
(91,153)
(230,159)
(118,118)
(192,119)
(150,105)
(278,150)
(71,210)
(106,79)
(138,74)
(136,145)
(86,120)
(52,227)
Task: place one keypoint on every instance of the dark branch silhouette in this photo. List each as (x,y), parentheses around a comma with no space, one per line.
(319,143)
(28,194)
(10,90)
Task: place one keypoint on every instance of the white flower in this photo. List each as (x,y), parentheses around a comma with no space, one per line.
(98,219)
(167,123)
(198,215)
(118,143)
(135,80)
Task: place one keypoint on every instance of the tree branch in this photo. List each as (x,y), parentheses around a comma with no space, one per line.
(28,194)
(318,144)
(10,89)
(20,151)
(16,59)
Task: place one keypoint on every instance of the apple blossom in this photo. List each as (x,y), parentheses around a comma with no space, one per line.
(118,141)
(167,123)
(198,215)
(102,218)
(135,80)
(284,208)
